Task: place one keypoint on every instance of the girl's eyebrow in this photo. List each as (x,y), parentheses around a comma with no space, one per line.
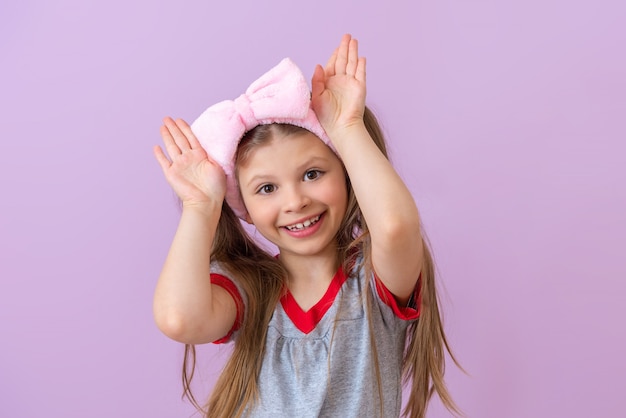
(315,159)
(259,178)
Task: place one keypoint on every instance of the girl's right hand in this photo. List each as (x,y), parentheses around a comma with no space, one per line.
(195,178)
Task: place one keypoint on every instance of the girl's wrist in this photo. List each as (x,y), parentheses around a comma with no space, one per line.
(347,134)
(204,208)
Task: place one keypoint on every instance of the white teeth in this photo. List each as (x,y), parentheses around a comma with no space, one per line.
(305,224)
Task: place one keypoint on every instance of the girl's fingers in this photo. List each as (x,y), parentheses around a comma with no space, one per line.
(168,140)
(342,55)
(161,158)
(186,130)
(353,57)
(360,70)
(329,70)
(179,137)
(317,81)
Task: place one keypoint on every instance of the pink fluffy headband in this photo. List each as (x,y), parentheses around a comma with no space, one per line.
(281,95)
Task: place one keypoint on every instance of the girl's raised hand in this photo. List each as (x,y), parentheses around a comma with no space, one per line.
(338,90)
(189,171)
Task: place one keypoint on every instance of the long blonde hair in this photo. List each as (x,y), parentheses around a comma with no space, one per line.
(262,279)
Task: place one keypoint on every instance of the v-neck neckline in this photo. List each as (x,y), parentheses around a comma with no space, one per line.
(307,321)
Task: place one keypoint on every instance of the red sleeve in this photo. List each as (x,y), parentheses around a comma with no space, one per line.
(226,284)
(407,313)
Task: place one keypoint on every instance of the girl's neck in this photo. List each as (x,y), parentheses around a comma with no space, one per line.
(311,267)
(309,276)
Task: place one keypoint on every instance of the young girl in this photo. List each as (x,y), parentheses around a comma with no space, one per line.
(348,308)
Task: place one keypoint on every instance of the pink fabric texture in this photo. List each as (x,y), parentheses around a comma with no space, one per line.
(281,95)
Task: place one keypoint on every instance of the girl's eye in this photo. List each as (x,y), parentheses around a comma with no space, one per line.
(266,189)
(312,174)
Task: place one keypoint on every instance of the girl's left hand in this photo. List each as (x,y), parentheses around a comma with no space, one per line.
(338,90)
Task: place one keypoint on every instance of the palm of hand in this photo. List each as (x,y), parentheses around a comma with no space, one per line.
(341,103)
(338,90)
(193,176)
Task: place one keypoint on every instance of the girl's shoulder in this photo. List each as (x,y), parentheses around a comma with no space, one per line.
(382,296)
(221,277)
(224,277)
(220,268)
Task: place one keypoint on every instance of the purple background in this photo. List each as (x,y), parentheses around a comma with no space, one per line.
(507,120)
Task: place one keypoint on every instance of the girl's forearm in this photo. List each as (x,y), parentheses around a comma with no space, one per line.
(385,201)
(387,206)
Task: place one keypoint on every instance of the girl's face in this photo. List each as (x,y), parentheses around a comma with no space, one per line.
(294,189)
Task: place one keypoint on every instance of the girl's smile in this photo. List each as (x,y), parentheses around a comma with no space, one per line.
(306,228)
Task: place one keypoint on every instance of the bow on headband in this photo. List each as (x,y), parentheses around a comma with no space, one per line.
(281,95)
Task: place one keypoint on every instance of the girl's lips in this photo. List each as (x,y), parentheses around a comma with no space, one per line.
(306,231)
(303,223)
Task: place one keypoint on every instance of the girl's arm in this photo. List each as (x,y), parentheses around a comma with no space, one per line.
(389,209)
(187,307)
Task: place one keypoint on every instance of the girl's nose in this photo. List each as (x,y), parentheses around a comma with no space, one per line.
(296,200)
